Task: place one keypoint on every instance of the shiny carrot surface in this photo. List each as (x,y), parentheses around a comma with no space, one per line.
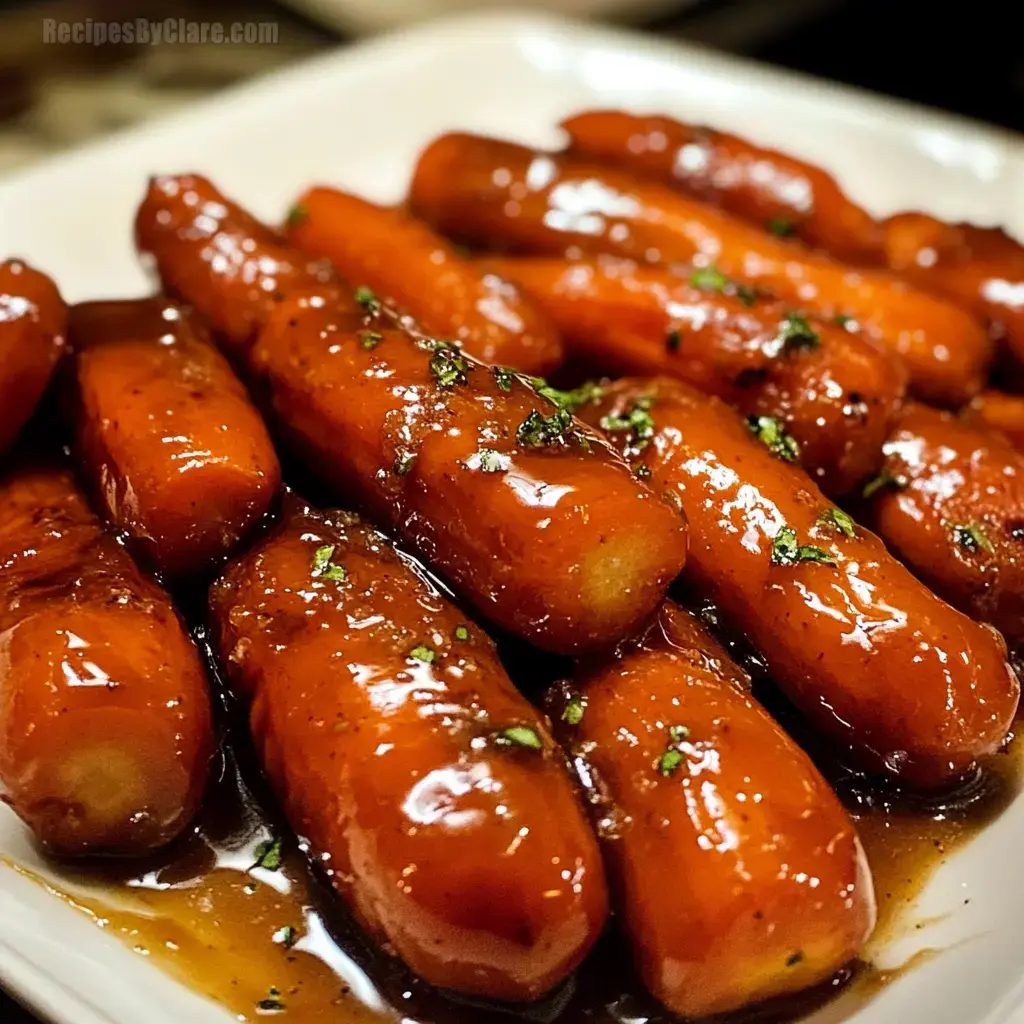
(834,393)
(980,268)
(227,264)
(530,515)
(507,196)
(999,411)
(737,874)
(430,790)
(950,503)
(33,321)
(779,193)
(841,624)
(167,438)
(105,726)
(403,260)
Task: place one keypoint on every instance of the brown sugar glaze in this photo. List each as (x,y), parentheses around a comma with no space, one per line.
(275,943)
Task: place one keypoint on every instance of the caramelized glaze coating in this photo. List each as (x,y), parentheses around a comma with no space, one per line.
(953,510)
(383,721)
(980,268)
(998,411)
(737,873)
(763,186)
(531,516)
(33,321)
(907,685)
(402,259)
(834,392)
(105,726)
(167,438)
(209,251)
(507,196)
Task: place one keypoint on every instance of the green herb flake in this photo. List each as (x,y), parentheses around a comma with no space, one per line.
(324,568)
(370,339)
(638,423)
(403,463)
(794,958)
(538,431)
(423,653)
(297,215)
(268,855)
(746,294)
(272,1004)
(796,333)
(503,377)
(669,762)
(840,520)
(673,340)
(491,461)
(366,298)
(286,936)
(972,537)
(449,367)
(883,482)
(709,279)
(572,713)
(770,432)
(519,736)
(678,733)
(642,472)
(461,633)
(842,319)
(786,550)
(781,227)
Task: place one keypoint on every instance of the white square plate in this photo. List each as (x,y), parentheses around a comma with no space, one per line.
(357,118)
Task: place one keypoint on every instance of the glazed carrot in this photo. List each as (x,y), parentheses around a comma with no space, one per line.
(834,392)
(763,186)
(33,319)
(999,411)
(231,267)
(507,196)
(950,503)
(403,260)
(169,442)
(105,726)
(400,749)
(738,875)
(841,624)
(529,515)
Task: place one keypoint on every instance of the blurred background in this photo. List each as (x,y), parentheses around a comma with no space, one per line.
(53,96)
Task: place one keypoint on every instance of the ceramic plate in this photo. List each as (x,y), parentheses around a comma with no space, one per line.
(357,118)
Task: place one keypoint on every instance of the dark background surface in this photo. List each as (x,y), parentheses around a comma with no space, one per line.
(969,61)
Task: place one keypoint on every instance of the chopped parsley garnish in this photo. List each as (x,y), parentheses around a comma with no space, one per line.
(678,733)
(572,713)
(781,227)
(296,215)
(770,432)
(588,392)
(972,537)
(272,1004)
(840,520)
(324,568)
(673,756)
(519,736)
(370,339)
(638,423)
(643,471)
(709,279)
(673,340)
(884,481)
(492,461)
(423,653)
(786,550)
(796,333)
(268,855)
(503,377)
(842,319)
(449,367)
(365,297)
(286,936)
(537,431)
(746,294)
(461,633)
(403,463)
